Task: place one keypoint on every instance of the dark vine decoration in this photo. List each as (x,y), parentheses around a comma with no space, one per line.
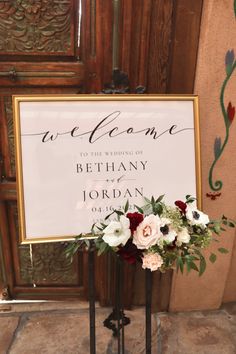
(228,114)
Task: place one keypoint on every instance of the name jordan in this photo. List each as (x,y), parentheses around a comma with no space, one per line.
(101,167)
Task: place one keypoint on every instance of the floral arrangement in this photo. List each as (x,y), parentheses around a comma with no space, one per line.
(159,236)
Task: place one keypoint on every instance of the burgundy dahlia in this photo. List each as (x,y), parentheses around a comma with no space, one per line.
(130,252)
(135,219)
(181,205)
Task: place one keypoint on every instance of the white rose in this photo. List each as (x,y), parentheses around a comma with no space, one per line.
(183,236)
(147,232)
(117,232)
(196,217)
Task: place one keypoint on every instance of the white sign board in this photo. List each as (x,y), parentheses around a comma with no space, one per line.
(80,157)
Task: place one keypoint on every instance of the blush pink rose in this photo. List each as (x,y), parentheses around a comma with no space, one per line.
(148,232)
(152,261)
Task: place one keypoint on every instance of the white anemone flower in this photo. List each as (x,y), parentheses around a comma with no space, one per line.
(168,233)
(117,232)
(196,217)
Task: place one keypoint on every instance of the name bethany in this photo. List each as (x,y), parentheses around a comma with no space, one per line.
(90,167)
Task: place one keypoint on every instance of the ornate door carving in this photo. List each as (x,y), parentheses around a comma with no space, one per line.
(38,27)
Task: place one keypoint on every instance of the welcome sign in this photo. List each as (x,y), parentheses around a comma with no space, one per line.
(80,157)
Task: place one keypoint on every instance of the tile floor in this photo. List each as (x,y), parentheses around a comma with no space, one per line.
(63,328)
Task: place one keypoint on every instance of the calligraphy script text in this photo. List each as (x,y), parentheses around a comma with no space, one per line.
(103,128)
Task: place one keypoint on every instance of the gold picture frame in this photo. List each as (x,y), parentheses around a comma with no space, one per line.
(34,113)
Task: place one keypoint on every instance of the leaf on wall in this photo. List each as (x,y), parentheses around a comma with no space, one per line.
(217,146)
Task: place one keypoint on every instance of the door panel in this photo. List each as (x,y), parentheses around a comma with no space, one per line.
(38,27)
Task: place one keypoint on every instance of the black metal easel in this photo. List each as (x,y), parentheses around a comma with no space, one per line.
(117,320)
(117,314)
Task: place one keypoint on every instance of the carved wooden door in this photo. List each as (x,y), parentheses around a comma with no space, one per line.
(44,45)
(46,48)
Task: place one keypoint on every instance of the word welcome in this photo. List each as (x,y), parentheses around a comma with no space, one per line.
(104,129)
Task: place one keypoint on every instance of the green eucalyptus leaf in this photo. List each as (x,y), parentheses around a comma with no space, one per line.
(159,199)
(193,258)
(102,248)
(188,264)
(194,267)
(107,217)
(72,249)
(190,200)
(217,229)
(202,266)
(147,200)
(180,264)
(139,209)
(158,209)
(126,206)
(118,212)
(198,252)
